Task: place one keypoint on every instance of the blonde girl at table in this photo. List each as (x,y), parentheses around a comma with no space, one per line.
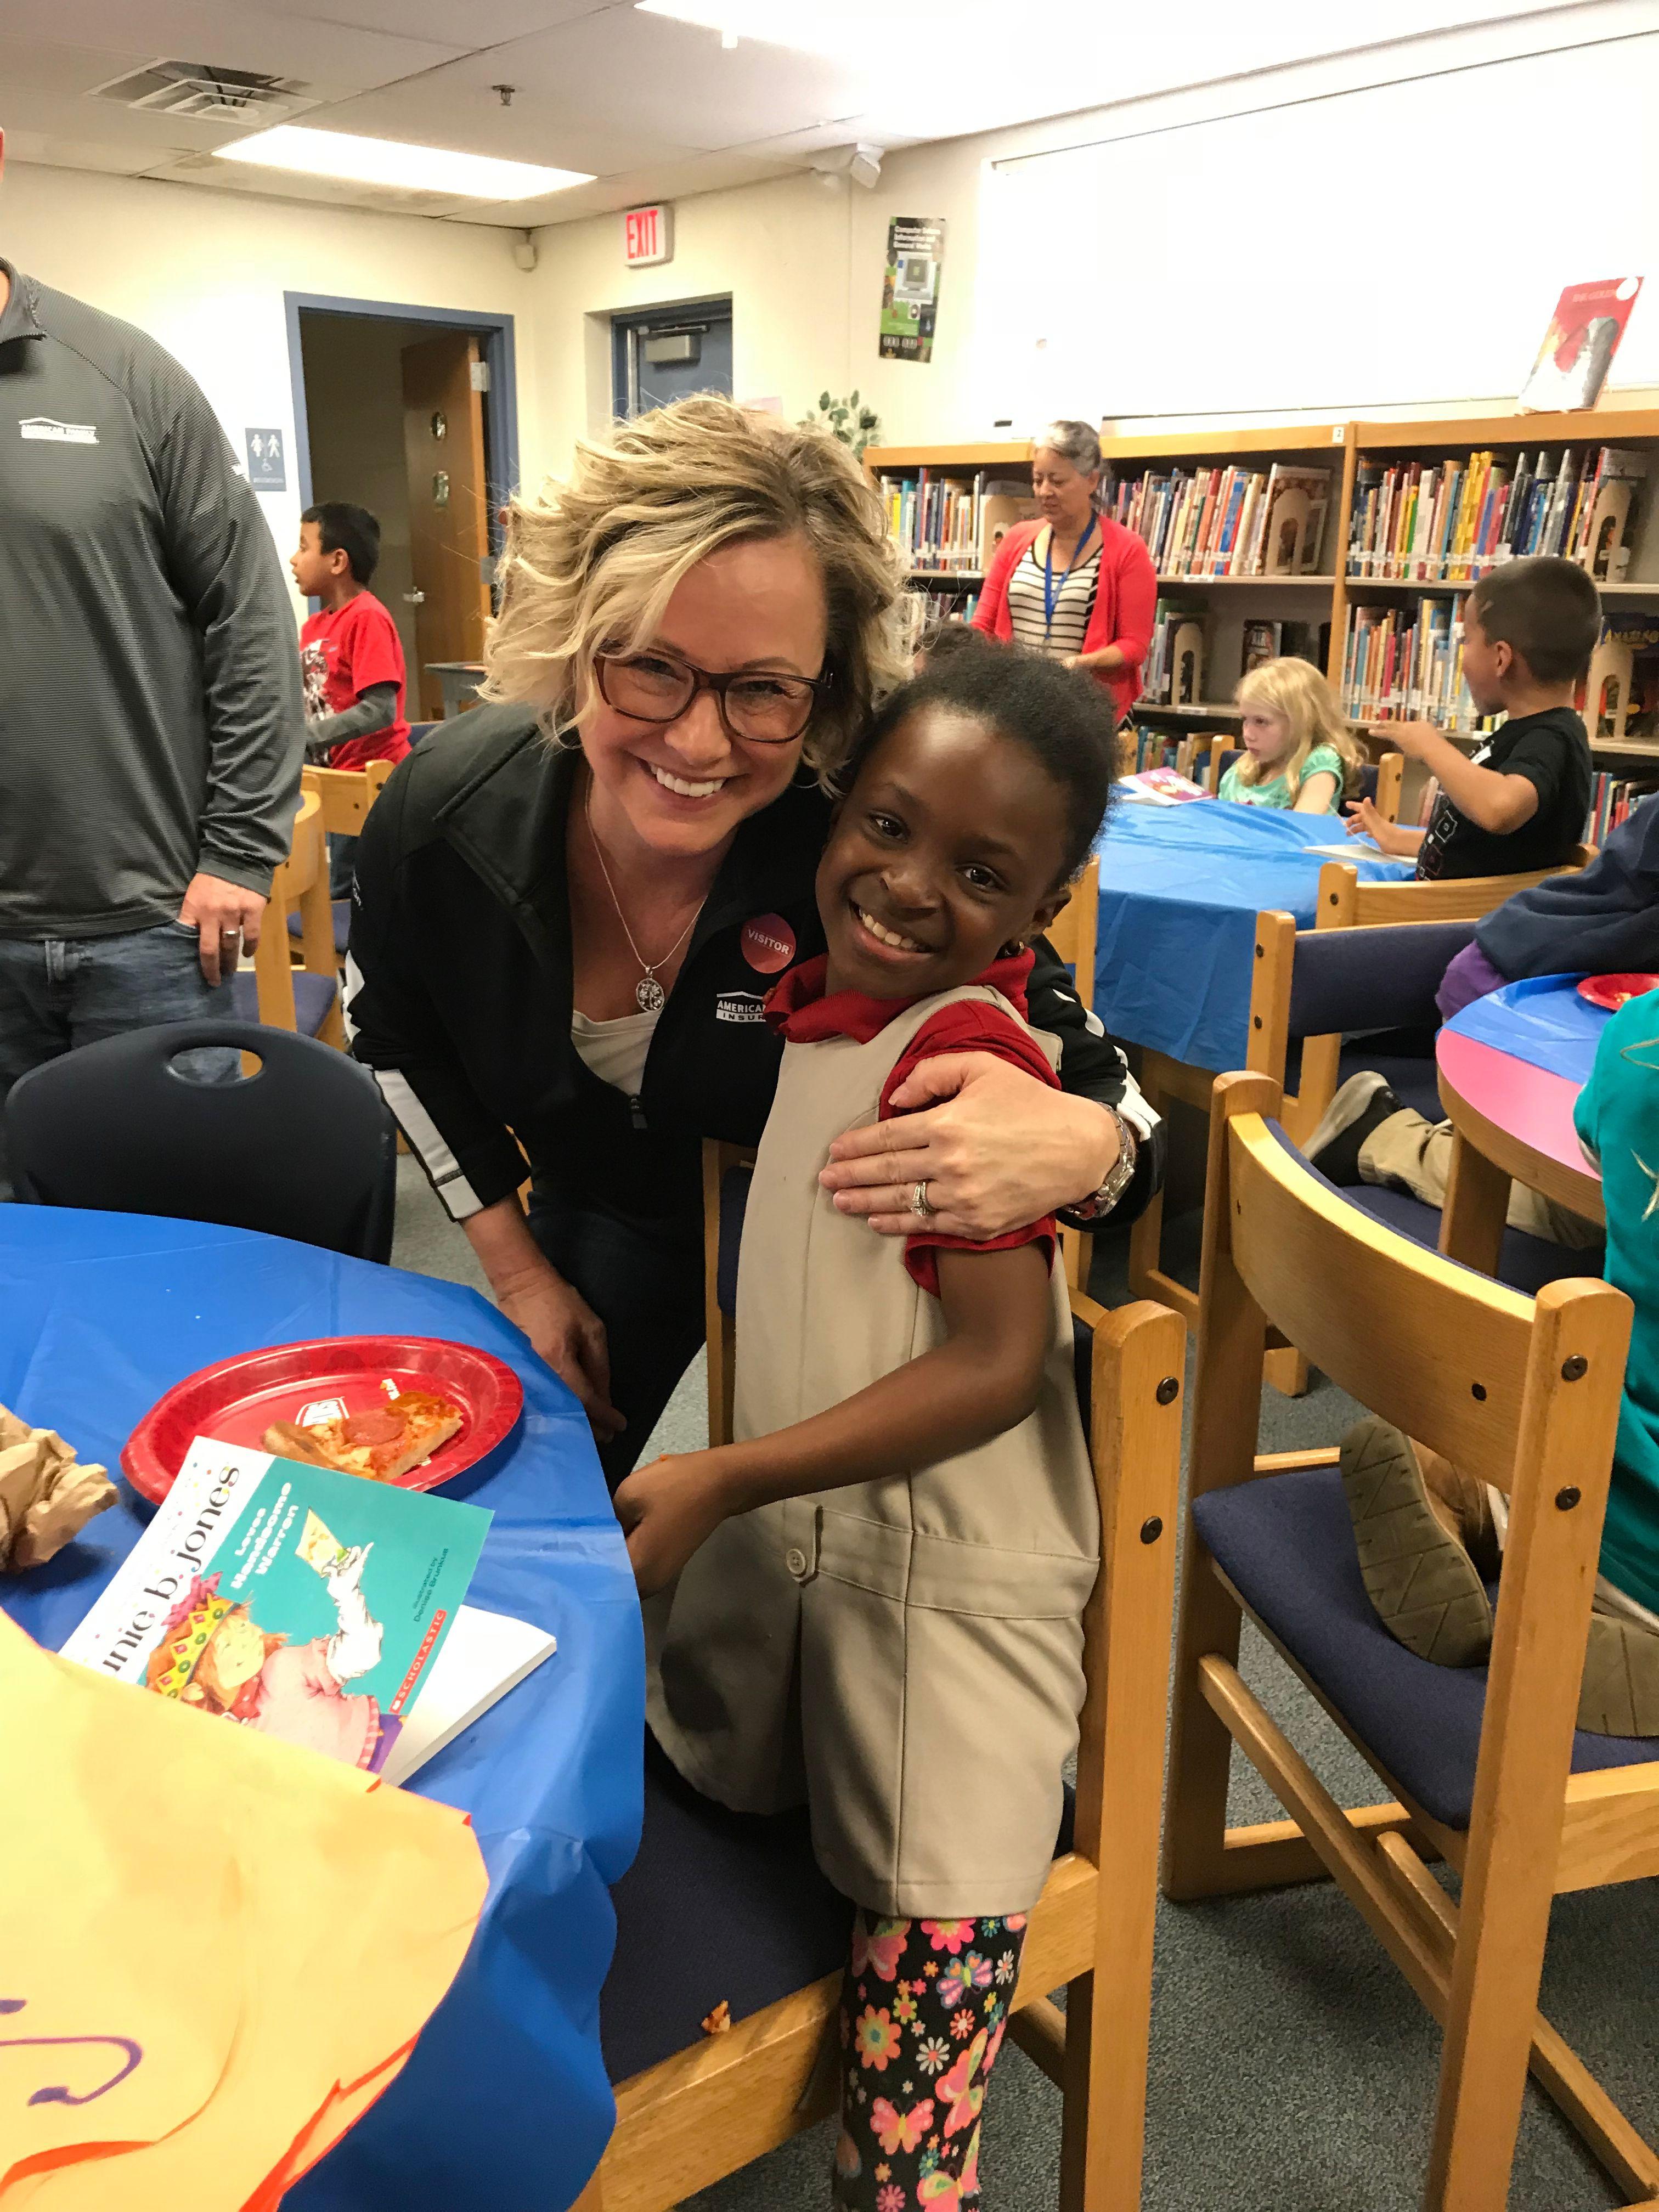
(1073,585)
(1300,752)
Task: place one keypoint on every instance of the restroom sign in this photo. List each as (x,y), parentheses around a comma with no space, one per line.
(648,236)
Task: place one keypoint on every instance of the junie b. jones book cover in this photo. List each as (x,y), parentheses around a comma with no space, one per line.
(304,1603)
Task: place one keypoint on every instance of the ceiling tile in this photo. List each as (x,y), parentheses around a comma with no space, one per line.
(52,152)
(646,79)
(480,23)
(245,34)
(666,179)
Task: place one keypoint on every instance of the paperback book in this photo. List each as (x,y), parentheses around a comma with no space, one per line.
(1161,787)
(310,1605)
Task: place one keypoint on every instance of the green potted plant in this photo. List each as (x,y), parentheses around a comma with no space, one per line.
(855,425)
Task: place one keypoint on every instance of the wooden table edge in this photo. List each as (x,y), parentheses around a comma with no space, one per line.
(1580,1192)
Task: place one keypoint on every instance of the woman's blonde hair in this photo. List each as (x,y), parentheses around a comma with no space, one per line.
(1296,690)
(591,563)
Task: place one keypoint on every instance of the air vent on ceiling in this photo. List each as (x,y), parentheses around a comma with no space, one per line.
(207,94)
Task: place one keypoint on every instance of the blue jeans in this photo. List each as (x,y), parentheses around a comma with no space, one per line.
(56,993)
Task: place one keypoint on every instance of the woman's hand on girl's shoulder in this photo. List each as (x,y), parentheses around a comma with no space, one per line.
(667,1511)
(996,1148)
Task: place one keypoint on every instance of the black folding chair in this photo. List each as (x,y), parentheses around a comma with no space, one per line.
(304,1147)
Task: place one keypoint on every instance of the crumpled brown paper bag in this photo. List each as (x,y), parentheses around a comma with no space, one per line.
(44,1498)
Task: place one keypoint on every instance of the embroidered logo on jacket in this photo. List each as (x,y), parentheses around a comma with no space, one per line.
(740,1006)
(56,433)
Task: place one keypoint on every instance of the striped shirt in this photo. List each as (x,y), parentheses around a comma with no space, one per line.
(1074,600)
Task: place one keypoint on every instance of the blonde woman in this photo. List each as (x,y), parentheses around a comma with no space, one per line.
(570,906)
(1299,752)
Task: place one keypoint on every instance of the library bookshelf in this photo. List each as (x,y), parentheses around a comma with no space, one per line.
(1353,451)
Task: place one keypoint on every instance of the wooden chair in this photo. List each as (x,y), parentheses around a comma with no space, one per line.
(346,795)
(1309,988)
(307,999)
(1344,902)
(1483,1767)
(690,2118)
(1072,936)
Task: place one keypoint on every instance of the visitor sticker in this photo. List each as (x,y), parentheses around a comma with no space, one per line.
(768,943)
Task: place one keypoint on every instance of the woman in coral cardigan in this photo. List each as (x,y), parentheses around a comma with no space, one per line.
(1074,584)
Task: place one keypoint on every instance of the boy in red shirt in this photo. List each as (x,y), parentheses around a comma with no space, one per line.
(352,658)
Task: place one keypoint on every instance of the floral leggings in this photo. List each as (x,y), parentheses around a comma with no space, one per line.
(923,2011)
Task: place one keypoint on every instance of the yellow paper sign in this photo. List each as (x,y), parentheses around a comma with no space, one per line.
(215,1948)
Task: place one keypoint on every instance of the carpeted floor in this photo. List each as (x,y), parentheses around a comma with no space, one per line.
(1291,2067)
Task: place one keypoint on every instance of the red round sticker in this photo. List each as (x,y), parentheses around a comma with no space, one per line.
(768,943)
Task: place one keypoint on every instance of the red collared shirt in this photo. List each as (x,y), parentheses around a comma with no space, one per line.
(797,1008)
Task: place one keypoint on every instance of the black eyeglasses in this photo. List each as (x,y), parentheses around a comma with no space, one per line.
(756,707)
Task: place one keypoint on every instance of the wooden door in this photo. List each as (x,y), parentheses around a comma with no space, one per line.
(448,505)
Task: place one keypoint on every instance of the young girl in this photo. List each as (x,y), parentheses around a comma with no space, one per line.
(1300,753)
(881,1584)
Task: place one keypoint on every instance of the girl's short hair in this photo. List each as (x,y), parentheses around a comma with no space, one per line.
(1061,716)
(591,563)
(1296,690)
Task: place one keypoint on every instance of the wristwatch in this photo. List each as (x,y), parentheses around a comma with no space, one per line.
(1100,1202)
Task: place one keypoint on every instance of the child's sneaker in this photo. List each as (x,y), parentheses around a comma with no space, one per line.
(1620,1691)
(1418,1573)
(1359,1109)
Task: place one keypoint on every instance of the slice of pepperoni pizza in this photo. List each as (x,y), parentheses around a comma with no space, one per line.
(382,1442)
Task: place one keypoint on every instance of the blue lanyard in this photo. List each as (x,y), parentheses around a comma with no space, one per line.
(1049,595)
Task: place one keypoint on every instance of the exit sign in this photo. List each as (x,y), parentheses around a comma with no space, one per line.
(649,236)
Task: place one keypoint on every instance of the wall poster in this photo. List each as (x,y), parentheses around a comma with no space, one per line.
(909,292)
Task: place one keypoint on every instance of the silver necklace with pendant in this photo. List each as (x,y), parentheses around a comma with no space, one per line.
(648,993)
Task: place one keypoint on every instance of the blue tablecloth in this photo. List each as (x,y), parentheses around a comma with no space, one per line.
(1179,890)
(1542,1021)
(504,2103)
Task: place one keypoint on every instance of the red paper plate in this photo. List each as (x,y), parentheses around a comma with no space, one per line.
(1612,991)
(236,1400)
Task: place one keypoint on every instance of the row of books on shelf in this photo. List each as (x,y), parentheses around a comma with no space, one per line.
(1173,672)
(1613,799)
(1143,747)
(1405,664)
(1450,521)
(952,524)
(1227,521)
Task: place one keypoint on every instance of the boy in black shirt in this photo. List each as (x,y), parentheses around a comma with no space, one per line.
(1521,801)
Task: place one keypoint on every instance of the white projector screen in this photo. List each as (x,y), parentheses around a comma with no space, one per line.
(1401,246)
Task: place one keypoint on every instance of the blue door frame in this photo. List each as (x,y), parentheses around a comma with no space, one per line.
(500,401)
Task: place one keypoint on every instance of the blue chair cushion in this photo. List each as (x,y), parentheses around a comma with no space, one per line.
(341,925)
(313,995)
(716,1904)
(1285,1543)
(1524,1263)
(1381,978)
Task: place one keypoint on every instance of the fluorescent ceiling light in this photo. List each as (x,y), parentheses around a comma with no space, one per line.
(388,162)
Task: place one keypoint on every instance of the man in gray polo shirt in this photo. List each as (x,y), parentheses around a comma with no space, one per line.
(151,721)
